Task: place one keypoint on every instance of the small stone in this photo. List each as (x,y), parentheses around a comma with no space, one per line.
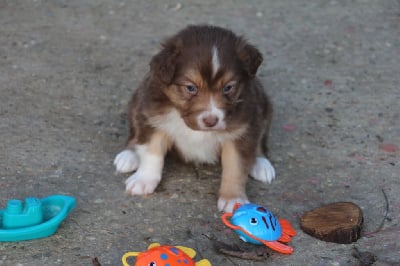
(98,201)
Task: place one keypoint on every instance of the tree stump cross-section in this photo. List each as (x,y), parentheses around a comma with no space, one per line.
(339,222)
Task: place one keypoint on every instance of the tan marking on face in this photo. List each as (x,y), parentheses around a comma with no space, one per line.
(190,77)
(227,77)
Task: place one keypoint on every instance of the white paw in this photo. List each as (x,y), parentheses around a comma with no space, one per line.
(138,184)
(126,161)
(226,205)
(263,170)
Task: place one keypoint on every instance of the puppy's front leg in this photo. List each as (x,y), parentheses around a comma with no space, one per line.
(234,177)
(148,175)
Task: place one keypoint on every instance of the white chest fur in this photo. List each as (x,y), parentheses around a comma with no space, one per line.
(194,145)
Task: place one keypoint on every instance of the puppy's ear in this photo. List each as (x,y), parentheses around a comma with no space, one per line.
(250,57)
(163,64)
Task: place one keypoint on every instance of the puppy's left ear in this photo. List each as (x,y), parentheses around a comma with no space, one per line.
(163,64)
(250,57)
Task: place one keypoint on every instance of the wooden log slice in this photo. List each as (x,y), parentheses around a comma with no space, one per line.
(339,222)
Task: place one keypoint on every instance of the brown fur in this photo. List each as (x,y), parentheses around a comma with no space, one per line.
(185,59)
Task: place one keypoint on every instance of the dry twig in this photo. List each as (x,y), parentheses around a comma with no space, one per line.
(385,217)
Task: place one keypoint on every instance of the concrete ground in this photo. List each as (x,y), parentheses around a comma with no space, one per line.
(68,68)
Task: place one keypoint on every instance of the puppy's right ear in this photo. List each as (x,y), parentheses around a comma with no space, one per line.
(163,64)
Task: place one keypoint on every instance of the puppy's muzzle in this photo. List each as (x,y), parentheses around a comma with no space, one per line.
(210,120)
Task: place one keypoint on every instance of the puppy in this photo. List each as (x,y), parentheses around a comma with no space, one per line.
(201,98)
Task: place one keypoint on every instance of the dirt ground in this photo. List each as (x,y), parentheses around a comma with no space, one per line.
(67,70)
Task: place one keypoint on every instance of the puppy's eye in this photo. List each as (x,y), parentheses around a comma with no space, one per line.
(191,89)
(228,89)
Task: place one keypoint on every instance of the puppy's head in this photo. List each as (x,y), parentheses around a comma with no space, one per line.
(204,72)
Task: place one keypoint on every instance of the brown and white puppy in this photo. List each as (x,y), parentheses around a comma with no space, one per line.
(201,98)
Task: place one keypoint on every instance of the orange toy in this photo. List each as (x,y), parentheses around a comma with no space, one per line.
(157,255)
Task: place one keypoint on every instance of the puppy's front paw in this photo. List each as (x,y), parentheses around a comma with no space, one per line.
(226,205)
(138,184)
(126,161)
(263,170)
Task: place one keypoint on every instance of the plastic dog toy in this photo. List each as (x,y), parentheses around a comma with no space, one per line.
(256,225)
(34,218)
(157,255)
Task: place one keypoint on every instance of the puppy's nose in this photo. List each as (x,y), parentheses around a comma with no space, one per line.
(210,120)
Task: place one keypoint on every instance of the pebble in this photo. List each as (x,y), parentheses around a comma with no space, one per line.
(98,201)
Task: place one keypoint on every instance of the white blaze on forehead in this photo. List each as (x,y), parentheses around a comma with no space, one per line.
(215,60)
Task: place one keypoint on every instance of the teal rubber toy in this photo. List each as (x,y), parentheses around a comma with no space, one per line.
(34,218)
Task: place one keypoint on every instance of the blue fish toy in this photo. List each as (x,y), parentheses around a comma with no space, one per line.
(257,225)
